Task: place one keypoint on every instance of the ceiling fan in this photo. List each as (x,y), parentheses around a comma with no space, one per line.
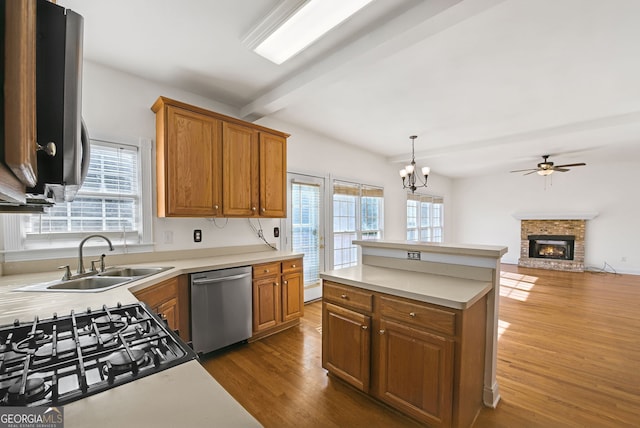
(546,167)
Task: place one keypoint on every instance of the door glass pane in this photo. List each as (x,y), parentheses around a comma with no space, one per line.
(305,224)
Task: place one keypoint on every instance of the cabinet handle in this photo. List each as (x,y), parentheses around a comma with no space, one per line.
(253,209)
(266,271)
(216,206)
(263,209)
(364,327)
(412,314)
(343,296)
(285,282)
(293,266)
(49,148)
(381,331)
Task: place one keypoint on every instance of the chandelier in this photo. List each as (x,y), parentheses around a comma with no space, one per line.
(411,180)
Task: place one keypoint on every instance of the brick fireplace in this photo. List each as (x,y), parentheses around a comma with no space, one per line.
(552,244)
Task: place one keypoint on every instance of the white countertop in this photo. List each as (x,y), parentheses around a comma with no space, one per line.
(182,396)
(440,290)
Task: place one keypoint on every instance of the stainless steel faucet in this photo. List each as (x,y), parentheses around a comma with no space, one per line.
(80,262)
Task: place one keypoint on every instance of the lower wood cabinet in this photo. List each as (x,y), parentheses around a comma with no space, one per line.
(426,361)
(170,298)
(278,296)
(415,372)
(346,344)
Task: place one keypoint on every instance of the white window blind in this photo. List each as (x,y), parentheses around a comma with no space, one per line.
(357,214)
(305,223)
(425,218)
(108,201)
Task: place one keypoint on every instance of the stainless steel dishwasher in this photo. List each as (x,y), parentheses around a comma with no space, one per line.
(221,302)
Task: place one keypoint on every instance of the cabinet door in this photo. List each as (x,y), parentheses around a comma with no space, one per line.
(266,303)
(193,164)
(415,372)
(20,91)
(346,344)
(273,172)
(240,170)
(292,296)
(169,310)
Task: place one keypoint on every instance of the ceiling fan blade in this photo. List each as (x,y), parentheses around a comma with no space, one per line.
(528,169)
(560,169)
(571,164)
(535,170)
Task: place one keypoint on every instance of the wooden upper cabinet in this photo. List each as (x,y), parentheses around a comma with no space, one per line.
(20,97)
(240,170)
(212,165)
(189,156)
(273,173)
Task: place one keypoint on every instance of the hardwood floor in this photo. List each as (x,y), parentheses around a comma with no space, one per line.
(568,355)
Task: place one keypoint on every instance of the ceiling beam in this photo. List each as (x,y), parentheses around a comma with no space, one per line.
(424,20)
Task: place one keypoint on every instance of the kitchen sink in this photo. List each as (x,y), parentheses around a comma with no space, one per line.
(89,283)
(110,278)
(132,272)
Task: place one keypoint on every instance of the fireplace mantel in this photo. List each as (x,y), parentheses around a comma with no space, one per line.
(555,216)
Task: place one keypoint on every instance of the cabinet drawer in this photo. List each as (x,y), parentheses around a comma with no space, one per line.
(159,293)
(348,296)
(266,269)
(292,265)
(419,315)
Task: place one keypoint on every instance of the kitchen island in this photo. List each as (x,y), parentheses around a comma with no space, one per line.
(415,326)
(184,395)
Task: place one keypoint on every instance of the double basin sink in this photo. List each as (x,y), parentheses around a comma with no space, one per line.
(101,281)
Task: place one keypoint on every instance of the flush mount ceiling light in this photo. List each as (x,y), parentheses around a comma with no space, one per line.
(295,24)
(411,180)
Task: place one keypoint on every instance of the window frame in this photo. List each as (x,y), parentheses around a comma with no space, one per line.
(358,191)
(434,233)
(19,247)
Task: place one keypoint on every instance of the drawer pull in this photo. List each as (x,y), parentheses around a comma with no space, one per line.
(412,314)
(293,265)
(266,271)
(343,296)
(381,332)
(364,327)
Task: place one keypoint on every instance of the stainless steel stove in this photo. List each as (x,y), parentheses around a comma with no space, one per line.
(62,359)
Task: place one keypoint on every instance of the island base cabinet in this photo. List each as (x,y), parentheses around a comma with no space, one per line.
(346,348)
(415,372)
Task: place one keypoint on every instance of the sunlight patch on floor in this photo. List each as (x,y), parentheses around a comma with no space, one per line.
(502,327)
(516,286)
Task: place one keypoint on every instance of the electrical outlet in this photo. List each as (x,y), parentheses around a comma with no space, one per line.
(276,232)
(197,235)
(413,255)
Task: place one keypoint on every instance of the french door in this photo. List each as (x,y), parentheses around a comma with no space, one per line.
(304,230)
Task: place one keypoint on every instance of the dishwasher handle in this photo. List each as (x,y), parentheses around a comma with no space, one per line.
(205,281)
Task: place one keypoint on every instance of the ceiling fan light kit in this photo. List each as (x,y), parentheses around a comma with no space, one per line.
(547,167)
(411,180)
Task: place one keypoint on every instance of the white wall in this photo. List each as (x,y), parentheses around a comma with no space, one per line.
(484,208)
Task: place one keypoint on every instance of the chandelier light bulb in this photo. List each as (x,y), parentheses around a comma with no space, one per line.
(403,173)
(426,170)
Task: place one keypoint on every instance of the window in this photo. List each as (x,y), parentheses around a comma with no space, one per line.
(425,218)
(110,202)
(357,214)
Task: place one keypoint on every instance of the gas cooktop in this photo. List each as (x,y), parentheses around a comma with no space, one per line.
(62,359)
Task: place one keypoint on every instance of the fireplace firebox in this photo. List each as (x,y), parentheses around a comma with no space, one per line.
(558,247)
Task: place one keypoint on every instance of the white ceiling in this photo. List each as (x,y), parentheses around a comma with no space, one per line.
(487,85)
